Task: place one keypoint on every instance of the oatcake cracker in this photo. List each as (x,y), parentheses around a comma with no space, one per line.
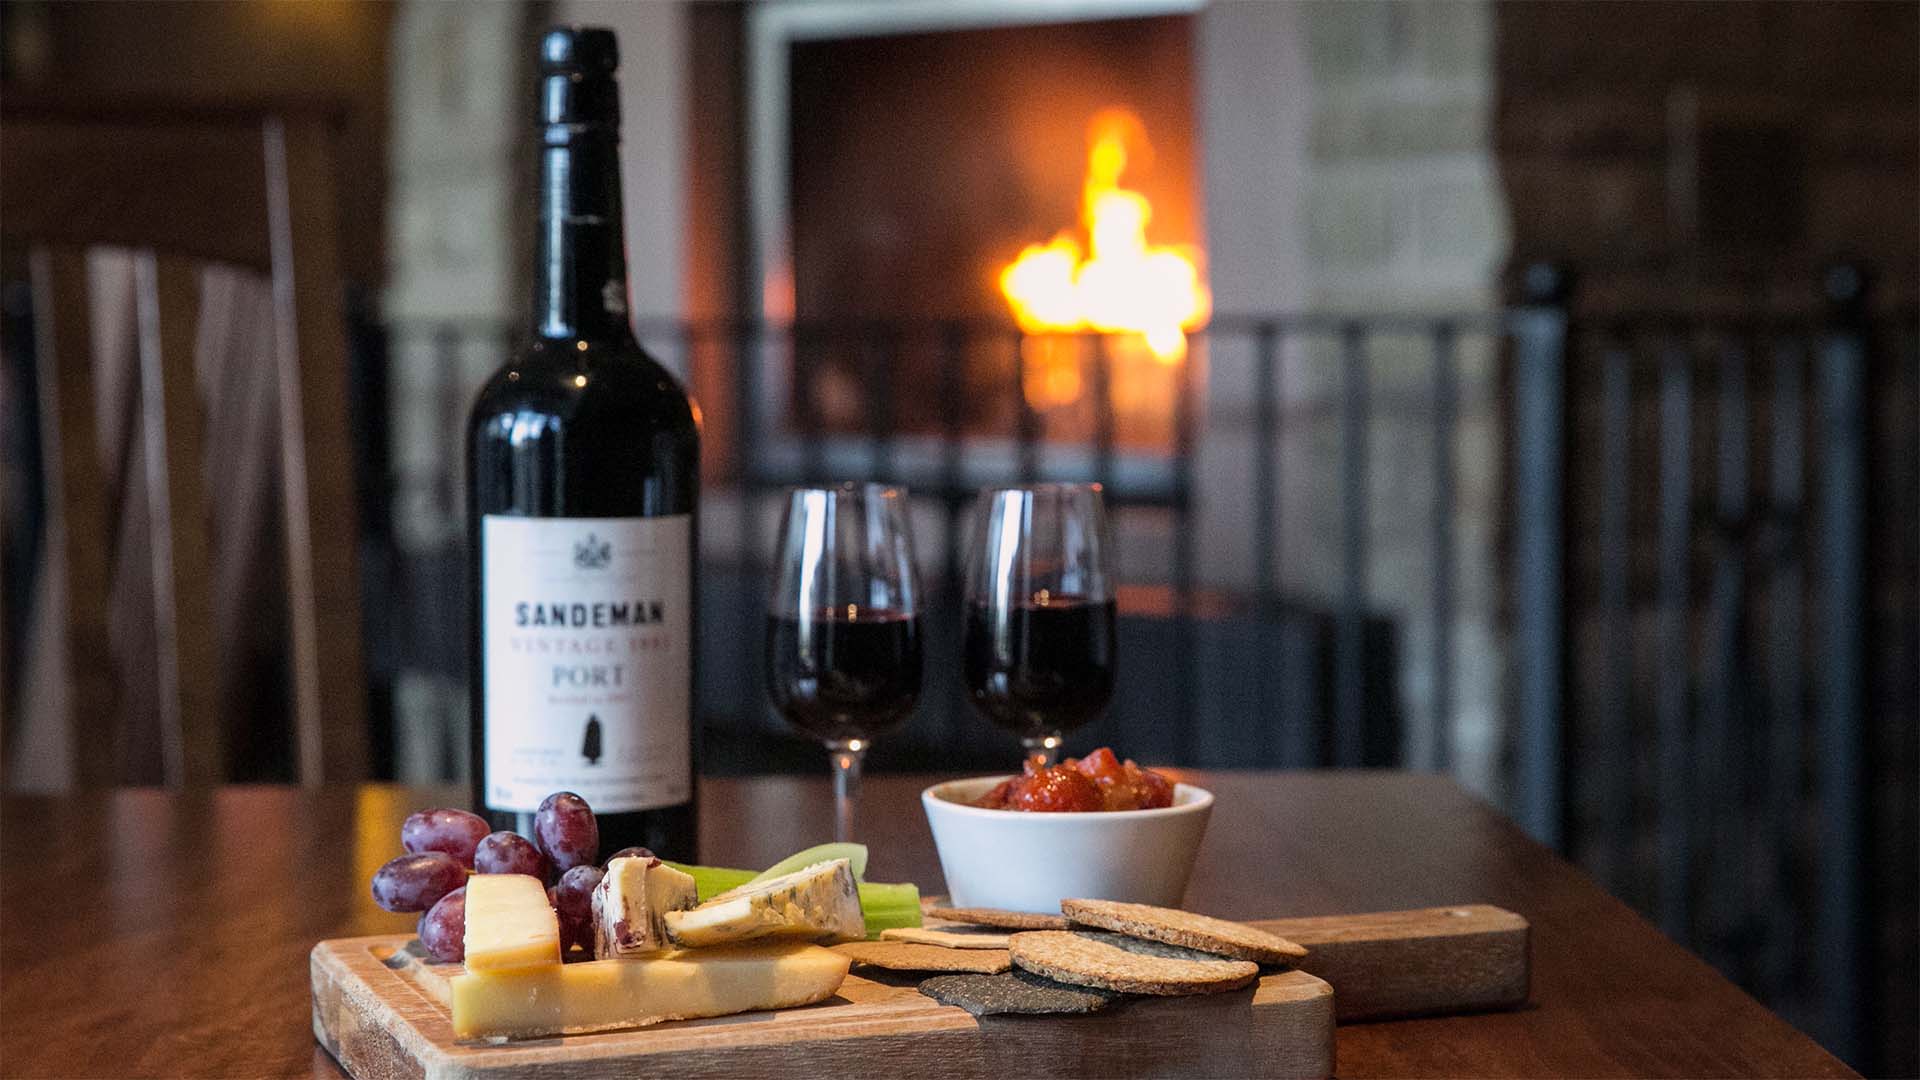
(959,936)
(1015,993)
(1131,965)
(908,956)
(1009,920)
(1210,935)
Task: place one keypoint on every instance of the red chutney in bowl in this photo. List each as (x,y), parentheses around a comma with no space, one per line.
(1098,781)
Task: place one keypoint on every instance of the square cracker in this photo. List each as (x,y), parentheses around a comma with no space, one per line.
(911,956)
(957,936)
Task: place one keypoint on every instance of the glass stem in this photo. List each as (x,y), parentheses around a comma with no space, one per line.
(1043,750)
(846,757)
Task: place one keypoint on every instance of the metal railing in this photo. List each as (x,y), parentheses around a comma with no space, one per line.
(1698,541)
(781,442)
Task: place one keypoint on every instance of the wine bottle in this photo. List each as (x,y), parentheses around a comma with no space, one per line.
(583,475)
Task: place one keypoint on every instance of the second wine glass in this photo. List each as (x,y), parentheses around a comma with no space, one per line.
(843,625)
(1040,612)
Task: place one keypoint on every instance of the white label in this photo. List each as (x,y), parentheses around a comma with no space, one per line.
(584,626)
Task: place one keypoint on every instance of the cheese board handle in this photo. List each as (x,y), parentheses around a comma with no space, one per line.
(1463,958)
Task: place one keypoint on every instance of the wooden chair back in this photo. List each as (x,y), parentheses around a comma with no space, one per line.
(184,188)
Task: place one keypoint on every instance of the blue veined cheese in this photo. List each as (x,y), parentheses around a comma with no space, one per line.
(818,902)
(630,902)
(601,995)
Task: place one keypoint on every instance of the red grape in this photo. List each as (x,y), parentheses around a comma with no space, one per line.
(573,900)
(575,929)
(416,882)
(507,852)
(443,929)
(455,832)
(634,853)
(573,897)
(566,830)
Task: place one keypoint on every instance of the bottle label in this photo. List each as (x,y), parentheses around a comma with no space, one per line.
(584,628)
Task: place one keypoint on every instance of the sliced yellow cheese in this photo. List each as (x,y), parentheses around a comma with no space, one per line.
(509,923)
(599,995)
(820,902)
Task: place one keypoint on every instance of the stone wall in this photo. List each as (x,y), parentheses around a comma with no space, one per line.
(1350,169)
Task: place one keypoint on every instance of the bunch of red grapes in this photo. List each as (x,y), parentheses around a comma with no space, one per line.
(445,845)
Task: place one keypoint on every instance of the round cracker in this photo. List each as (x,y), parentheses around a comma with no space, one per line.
(1131,965)
(908,956)
(1015,992)
(1008,920)
(1184,928)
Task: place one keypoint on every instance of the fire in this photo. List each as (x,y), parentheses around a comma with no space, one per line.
(1118,283)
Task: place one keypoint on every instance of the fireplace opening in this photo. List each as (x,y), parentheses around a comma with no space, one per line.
(1034,189)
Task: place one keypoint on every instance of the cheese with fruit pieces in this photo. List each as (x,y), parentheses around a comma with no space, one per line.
(601,995)
(820,902)
(510,924)
(630,903)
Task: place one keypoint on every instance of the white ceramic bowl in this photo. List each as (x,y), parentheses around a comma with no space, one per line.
(1023,861)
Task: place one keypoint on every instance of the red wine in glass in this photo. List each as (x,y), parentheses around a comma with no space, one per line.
(843,627)
(1035,669)
(1039,633)
(844,674)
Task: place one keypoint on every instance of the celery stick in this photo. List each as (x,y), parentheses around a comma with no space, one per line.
(889,906)
(711,881)
(800,860)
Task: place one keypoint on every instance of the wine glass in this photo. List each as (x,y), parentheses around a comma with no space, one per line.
(1039,637)
(843,625)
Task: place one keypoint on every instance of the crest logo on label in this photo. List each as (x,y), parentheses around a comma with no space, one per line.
(592,553)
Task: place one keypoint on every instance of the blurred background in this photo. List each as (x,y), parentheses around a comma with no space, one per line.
(1529,394)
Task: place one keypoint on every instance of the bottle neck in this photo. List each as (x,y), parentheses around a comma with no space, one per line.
(580,278)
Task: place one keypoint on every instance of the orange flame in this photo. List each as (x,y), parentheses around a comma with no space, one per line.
(1121,284)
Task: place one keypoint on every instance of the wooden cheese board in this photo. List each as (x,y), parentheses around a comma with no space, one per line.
(380,1009)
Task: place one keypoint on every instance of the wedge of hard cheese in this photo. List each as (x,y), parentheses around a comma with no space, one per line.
(630,902)
(820,903)
(509,923)
(599,995)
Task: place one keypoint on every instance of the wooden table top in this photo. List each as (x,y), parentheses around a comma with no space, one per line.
(151,933)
